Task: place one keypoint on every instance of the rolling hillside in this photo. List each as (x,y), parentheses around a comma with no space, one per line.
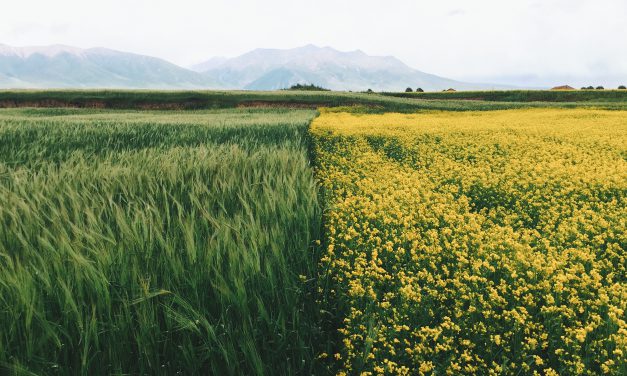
(271,69)
(61,66)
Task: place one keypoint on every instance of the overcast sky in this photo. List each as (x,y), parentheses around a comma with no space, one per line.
(525,42)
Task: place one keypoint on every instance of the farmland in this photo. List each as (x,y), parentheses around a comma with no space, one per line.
(262,233)
(155,242)
(476,243)
(372,102)
(522,96)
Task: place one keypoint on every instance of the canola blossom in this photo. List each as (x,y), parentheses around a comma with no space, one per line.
(476,242)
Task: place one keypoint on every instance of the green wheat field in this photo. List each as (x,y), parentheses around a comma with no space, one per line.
(177,242)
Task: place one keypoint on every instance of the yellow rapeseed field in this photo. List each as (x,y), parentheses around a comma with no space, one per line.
(476,242)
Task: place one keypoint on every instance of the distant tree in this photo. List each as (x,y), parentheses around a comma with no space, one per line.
(310,87)
(419,90)
(408,90)
(369,91)
(590,88)
(622,87)
(583,88)
(600,88)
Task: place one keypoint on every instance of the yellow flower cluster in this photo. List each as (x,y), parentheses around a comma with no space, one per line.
(476,242)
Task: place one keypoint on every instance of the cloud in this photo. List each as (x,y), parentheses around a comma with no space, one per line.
(26,31)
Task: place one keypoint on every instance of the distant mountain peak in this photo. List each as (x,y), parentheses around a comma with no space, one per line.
(271,68)
(61,66)
(212,63)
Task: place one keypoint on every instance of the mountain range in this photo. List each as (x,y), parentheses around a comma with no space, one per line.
(60,66)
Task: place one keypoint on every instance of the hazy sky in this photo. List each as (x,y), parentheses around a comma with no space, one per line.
(529,42)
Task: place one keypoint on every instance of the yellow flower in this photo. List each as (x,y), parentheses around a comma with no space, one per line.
(447,230)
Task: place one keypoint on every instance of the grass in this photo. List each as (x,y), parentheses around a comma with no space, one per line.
(156,243)
(371,103)
(522,96)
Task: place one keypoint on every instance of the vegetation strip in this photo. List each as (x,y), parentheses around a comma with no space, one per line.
(365,102)
(619,95)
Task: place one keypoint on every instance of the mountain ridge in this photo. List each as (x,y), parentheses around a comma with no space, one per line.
(327,67)
(62,66)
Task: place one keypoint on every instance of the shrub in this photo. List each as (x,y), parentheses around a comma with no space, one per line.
(305,87)
(600,88)
(408,90)
(419,90)
(622,87)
